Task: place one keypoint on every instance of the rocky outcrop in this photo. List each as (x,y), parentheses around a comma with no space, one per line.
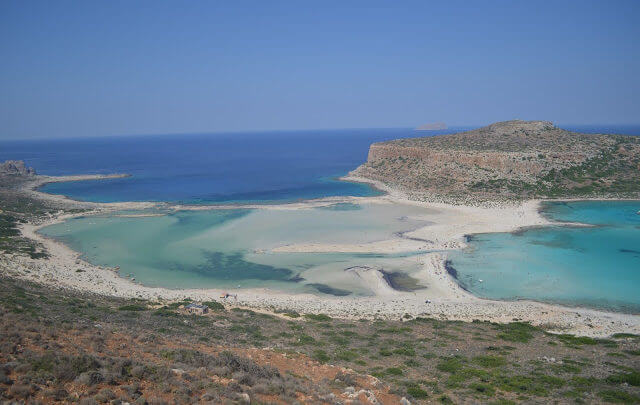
(16,168)
(511,159)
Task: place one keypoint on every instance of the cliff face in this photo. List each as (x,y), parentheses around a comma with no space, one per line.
(508,160)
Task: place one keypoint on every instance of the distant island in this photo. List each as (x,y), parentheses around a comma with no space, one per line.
(512,160)
(432,126)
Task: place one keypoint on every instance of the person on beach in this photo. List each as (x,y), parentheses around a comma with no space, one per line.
(226,295)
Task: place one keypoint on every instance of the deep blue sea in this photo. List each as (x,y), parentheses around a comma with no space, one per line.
(208,168)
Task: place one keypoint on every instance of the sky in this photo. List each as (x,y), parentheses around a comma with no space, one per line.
(98,68)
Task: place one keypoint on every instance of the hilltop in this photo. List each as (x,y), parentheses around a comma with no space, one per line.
(508,160)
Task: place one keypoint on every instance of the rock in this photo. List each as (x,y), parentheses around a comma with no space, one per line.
(405,401)
(17,168)
(371,397)
(244,398)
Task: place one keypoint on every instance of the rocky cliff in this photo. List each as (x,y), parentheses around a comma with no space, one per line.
(508,160)
(16,167)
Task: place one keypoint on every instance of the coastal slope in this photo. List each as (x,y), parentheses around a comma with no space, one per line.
(510,160)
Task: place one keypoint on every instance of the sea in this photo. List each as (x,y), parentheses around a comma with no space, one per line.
(208,168)
(596,266)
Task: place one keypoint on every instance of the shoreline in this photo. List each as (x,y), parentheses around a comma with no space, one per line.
(65,268)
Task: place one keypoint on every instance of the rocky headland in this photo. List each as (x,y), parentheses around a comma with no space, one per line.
(510,160)
(16,167)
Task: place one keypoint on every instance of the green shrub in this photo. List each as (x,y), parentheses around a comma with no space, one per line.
(417,392)
(394,371)
(450,365)
(321,356)
(318,317)
(133,307)
(484,389)
(618,397)
(490,361)
(347,355)
(632,378)
(385,352)
(625,335)
(291,314)
(305,340)
(214,305)
(405,351)
(164,312)
(516,332)
(577,340)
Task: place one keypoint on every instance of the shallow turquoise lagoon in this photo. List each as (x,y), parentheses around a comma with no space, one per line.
(231,248)
(596,266)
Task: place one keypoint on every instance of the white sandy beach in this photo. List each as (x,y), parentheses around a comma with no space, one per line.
(447,226)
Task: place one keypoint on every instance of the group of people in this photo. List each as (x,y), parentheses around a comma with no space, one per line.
(226,295)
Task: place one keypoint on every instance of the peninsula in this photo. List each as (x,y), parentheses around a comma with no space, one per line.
(507,161)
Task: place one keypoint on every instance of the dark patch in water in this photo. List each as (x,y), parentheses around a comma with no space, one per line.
(325,289)
(341,207)
(450,269)
(635,253)
(369,255)
(185,218)
(233,266)
(401,281)
(297,278)
(523,230)
(402,234)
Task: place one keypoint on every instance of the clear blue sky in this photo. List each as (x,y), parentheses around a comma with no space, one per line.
(88,68)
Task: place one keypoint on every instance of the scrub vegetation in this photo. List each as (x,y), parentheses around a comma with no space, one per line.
(62,346)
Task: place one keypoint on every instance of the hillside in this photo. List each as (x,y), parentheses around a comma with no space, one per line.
(508,160)
(61,346)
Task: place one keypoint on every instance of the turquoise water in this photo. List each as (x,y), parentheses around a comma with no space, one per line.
(596,266)
(232,248)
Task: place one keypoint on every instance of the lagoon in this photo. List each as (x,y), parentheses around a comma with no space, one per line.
(232,248)
(596,266)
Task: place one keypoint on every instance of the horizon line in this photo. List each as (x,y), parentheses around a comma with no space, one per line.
(246,131)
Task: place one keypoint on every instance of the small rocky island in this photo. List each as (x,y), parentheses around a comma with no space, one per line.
(432,126)
(510,160)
